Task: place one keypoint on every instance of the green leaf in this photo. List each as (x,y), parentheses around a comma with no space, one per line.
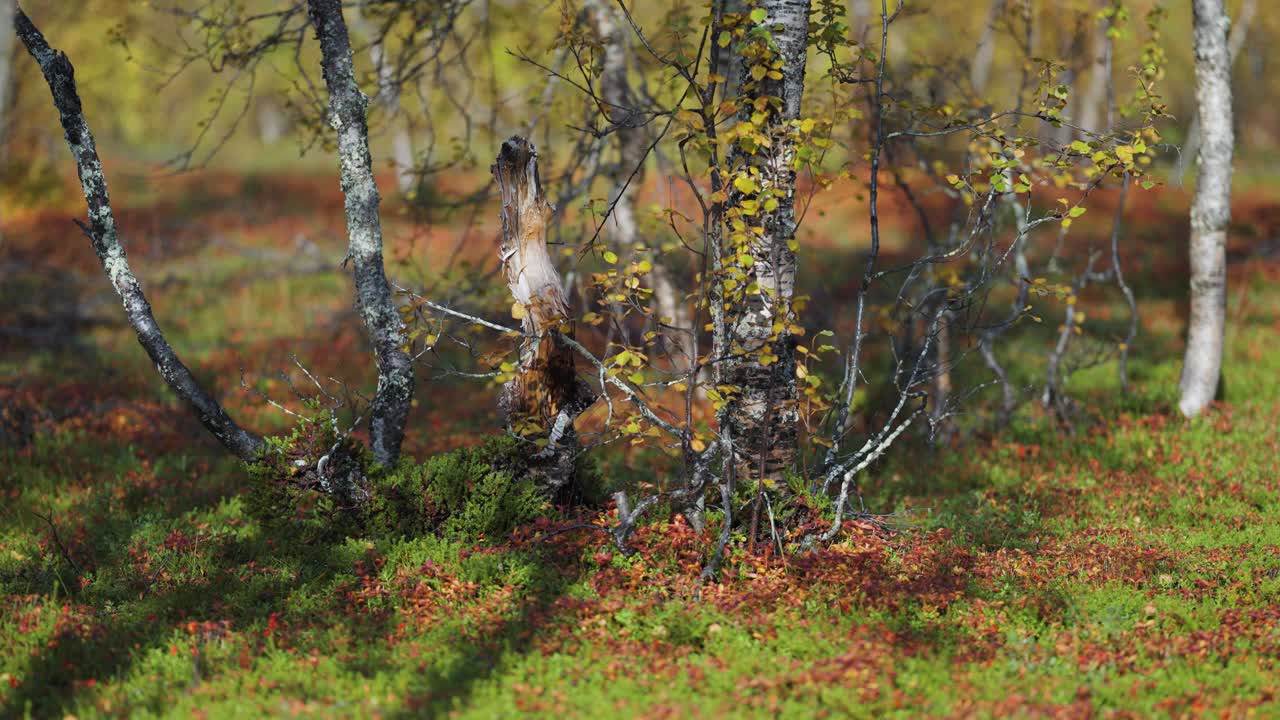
(758,16)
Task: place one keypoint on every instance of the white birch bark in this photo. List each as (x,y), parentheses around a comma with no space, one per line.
(633,145)
(347,108)
(765,412)
(271,122)
(546,390)
(980,70)
(1211,208)
(1235,43)
(1092,102)
(7,10)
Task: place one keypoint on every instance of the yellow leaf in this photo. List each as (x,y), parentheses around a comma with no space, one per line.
(518,310)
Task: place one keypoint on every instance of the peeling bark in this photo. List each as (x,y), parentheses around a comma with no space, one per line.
(1210,210)
(347,115)
(765,414)
(546,391)
(101,229)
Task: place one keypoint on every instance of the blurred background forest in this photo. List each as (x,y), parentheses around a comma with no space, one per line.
(139,76)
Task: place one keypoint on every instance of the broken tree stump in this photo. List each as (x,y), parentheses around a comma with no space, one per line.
(546,395)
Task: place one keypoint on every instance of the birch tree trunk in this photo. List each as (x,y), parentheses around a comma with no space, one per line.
(546,395)
(7,11)
(1093,101)
(1235,43)
(860,13)
(271,121)
(980,70)
(60,75)
(764,413)
(347,108)
(1211,208)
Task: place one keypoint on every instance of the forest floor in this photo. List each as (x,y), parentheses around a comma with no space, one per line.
(1128,569)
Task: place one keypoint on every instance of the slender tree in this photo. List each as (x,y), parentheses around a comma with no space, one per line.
(1092,102)
(347,114)
(980,70)
(402,153)
(101,230)
(7,10)
(1211,208)
(622,109)
(763,412)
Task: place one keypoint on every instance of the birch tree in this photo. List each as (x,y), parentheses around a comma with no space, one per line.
(103,236)
(402,153)
(7,10)
(1210,209)
(1235,43)
(622,108)
(347,114)
(763,410)
(1092,102)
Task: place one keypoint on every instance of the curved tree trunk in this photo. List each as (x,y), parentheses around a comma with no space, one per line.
(765,412)
(1210,210)
(101,230)
(347,108)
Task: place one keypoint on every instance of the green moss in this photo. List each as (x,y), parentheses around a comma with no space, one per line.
(472,493)
(283,483)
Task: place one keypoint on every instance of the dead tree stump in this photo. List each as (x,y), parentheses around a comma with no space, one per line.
(546,395)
